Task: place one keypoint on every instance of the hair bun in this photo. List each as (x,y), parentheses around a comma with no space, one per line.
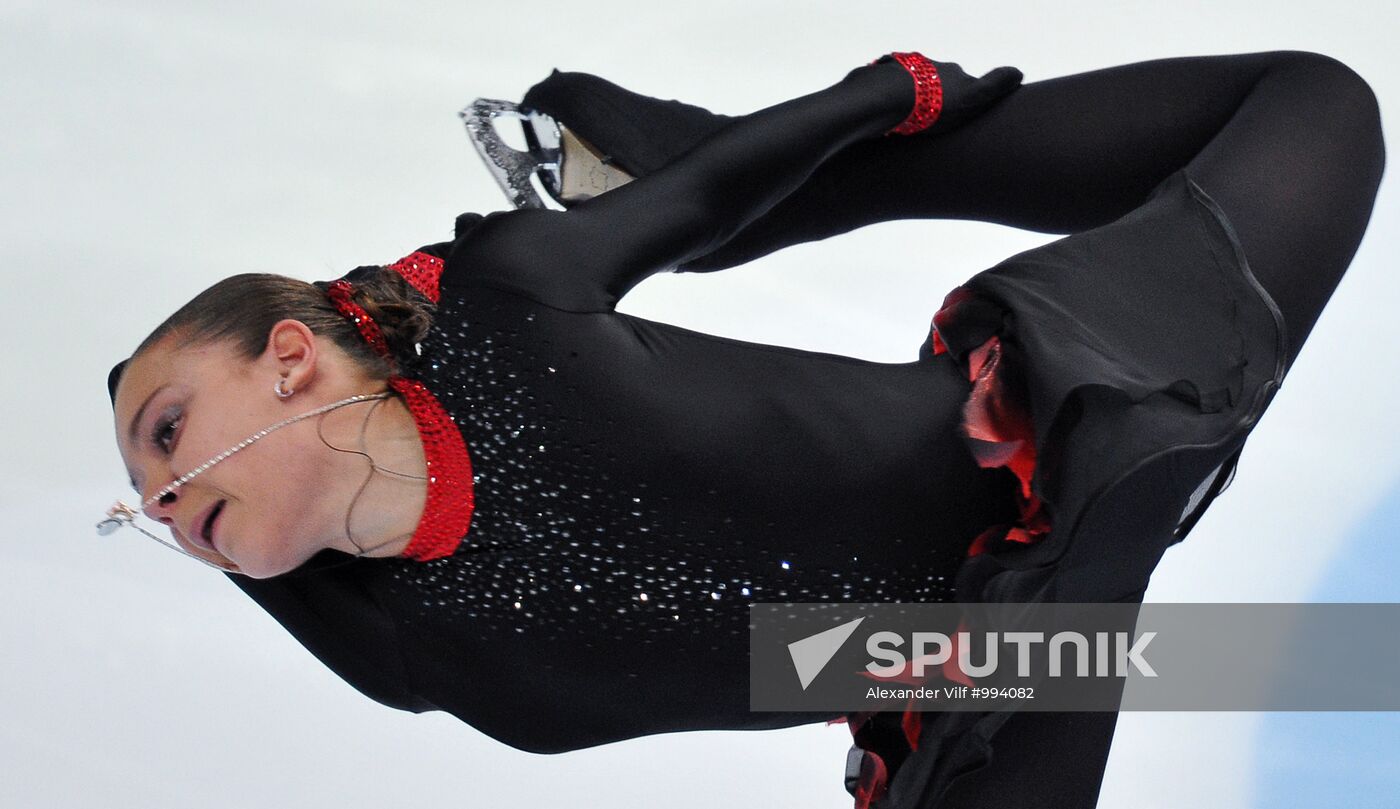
(404,315)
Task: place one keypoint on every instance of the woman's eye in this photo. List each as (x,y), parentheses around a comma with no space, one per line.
(165,432)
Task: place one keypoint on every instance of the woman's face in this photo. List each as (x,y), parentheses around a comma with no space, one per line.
(178,408)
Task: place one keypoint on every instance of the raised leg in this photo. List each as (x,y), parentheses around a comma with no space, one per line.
(1287,142)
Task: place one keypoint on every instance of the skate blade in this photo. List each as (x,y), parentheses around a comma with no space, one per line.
(512,168)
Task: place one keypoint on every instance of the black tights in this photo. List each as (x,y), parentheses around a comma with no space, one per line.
(1287,142)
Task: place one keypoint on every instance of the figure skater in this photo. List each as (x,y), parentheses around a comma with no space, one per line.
(492,494)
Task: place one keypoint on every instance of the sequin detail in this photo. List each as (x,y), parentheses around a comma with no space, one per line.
(447,514)
(574,535)
(341,293)
(450,501)
(422,271)
(928,93)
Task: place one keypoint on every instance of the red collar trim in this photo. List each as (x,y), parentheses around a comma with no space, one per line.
(447,512)
(447,515)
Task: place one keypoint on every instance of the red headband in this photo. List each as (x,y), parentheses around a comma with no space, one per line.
(341,294)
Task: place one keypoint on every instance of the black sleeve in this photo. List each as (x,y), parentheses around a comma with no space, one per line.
(332,614)
(588,257)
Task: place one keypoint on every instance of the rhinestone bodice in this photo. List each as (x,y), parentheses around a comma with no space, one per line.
(635,486)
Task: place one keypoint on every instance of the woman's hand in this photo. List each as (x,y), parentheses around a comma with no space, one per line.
(964,97)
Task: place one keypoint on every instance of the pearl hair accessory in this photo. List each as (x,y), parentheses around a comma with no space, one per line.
(122,514)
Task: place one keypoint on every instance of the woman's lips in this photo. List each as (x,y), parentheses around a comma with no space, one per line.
(204,535)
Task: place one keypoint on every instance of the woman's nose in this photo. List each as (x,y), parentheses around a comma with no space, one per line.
(162,509)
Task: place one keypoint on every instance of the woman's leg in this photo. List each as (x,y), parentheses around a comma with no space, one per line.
(1287,142)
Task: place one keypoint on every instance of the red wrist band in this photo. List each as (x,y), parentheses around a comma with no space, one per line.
(928,93)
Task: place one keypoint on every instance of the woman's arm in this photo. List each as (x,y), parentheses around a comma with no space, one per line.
(588,257)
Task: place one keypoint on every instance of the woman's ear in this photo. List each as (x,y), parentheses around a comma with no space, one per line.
(293,352)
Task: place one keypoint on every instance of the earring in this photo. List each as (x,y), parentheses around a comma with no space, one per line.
(281,391)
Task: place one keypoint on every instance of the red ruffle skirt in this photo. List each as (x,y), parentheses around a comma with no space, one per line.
(997,424)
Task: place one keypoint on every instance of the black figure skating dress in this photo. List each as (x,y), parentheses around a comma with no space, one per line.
(613,492)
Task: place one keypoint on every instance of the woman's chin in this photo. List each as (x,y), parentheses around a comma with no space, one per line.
(264,566)
(257,569)
(256,560)
(252,565)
